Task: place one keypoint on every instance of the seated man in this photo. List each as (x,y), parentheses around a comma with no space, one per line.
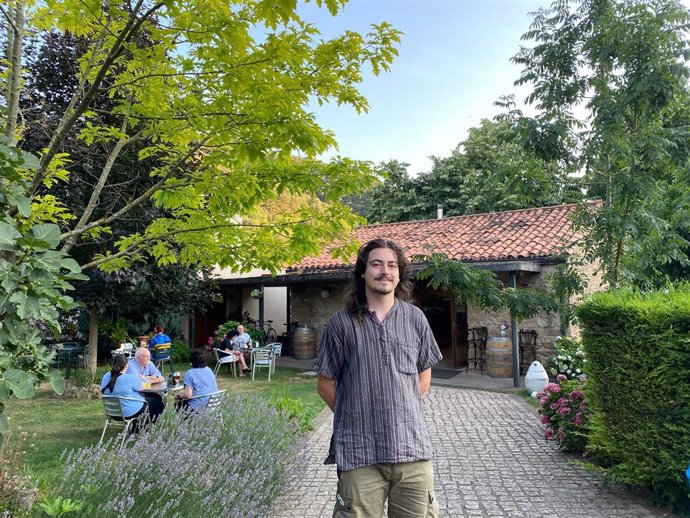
(142,366)
(243,340)
(229,346)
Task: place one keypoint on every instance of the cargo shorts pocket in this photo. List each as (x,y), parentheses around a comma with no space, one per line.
(343,507)
(432,510)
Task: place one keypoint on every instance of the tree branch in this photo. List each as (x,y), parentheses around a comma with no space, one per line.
(95,194)
(71,116)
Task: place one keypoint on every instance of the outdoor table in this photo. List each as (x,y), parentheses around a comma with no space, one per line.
(156,388)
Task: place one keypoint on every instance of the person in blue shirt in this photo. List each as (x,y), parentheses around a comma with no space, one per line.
(142,366)
(159,338)
(243,339)
(197,380)
(118,382)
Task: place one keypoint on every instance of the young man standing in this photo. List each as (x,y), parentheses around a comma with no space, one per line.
(374,364)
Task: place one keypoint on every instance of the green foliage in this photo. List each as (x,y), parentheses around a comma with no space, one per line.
(33,281)
(626,63)
(293,408)
(87,377)
(493,169)
(238,474)
(118,331)
(214,103)
(59,506)
(569,359)
(481,287)
(638,355)
(564,411)
(180,351)
(249,326)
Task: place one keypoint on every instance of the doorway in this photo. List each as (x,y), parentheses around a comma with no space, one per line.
(448,322)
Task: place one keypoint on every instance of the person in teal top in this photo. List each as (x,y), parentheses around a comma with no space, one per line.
(118,383)
(197,380)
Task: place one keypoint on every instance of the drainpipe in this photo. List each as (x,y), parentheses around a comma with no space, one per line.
(261,307)
(514,337)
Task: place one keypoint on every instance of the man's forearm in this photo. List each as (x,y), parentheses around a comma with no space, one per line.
(326,389)
(424,381)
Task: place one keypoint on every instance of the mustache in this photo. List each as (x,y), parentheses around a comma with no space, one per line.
(382,277)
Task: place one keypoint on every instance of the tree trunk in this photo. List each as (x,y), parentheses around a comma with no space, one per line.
(93,339)
(15,28)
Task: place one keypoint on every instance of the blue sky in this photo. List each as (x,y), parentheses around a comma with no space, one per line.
(453,64)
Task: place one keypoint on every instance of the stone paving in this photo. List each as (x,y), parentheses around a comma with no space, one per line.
(490,460)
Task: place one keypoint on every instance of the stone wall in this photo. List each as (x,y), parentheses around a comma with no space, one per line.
(314,304)
(548,327)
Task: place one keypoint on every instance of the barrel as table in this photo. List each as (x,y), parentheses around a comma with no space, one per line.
(499,356)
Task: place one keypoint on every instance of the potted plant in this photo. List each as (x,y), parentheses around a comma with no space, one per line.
(117,332)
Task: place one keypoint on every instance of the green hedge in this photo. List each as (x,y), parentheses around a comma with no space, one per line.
(638,350)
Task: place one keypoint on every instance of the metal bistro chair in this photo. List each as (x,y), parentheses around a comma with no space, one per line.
(277,348)
(527,342)
(476,340)
(214,400)
(126,348)
(230,360)
(162,353)
(262,357)
(113,415)
(70,353)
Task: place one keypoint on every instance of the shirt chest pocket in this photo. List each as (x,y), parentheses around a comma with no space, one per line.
(405,357)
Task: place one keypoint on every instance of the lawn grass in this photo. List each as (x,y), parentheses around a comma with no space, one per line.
(54,423)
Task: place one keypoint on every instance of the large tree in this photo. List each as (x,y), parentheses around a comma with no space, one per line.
(501,165)
(217,97)
(614,73)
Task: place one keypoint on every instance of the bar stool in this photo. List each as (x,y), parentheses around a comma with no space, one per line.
(476,341)
(527,342)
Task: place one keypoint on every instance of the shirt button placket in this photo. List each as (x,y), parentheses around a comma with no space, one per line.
(385,353)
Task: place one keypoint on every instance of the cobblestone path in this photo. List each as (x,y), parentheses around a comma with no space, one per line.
(490,461)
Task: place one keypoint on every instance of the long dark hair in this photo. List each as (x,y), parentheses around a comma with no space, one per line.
(119,362)
(357,303)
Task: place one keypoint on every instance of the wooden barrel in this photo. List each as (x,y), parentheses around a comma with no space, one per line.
(499,357)
(304,343)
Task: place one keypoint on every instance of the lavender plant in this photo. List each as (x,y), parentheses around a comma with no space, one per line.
(229,463)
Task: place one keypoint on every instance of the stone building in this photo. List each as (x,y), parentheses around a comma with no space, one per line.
(522,247)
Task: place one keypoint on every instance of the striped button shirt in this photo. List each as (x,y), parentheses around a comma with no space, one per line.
(379,413)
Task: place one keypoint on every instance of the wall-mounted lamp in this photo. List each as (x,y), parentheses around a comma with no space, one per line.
(325,294)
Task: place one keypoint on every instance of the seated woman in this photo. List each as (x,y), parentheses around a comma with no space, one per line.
(197,380)
(118,383)
(229,347)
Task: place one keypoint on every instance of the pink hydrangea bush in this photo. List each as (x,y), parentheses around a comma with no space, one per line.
(563,409)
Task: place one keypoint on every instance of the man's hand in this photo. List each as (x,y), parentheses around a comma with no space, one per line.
(326,389)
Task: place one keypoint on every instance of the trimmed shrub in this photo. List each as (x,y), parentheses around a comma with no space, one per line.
(638,351)
(180,351)
(229,463)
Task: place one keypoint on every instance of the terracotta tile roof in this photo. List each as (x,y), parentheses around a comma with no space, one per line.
(497,236)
